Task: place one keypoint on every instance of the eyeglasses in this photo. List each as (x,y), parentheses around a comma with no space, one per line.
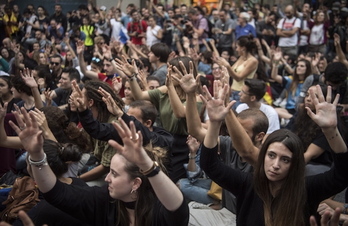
(101,43)
(216,68)
(55,63)
(96,59)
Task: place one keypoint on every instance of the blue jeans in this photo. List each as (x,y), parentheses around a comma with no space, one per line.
(196,191)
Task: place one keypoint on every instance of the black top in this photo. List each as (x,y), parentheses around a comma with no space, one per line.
(249,204)
(94,206)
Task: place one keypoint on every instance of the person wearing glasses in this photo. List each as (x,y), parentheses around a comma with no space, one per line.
(56,67)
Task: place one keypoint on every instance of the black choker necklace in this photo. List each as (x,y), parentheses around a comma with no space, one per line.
(129,205)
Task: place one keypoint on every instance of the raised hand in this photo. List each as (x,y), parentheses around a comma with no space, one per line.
(325,114)
(116,85)
(127,68)
(48,97)
(188,83)
(193,144)
(80,47)
(77,97)
(28,78)
(277,55)
(28,131)
(40,119)
(110,103)
(328,218)
(216,105)
(221,61)
(132,148)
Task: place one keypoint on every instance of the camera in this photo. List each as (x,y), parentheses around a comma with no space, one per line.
(183,21)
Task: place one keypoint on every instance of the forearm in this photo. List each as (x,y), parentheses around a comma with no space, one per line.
(43,176)
(240,139)
(211,138)
(341,55)
(194,125)
(138,94)
(335,140)
(95,173)
(37,97)
(175,102)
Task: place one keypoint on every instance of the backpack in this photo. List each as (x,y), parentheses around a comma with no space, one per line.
(210,26)
(23,196)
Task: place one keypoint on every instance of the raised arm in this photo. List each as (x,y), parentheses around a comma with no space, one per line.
(189,84)
(166,191)
(326,118)
(83,66)
(130,70)
(275,62)
(32,140)
(30,81)
(341,56)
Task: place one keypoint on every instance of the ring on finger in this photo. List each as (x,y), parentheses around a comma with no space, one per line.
(136,137)
(22,127)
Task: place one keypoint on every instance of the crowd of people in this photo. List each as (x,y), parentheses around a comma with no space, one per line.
(212,114)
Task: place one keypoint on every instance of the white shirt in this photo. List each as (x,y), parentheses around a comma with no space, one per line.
(288,25)
(150,35)
(272,115)
(317,35)
(116,28)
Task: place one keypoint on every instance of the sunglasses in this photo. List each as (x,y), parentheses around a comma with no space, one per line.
(55,63)
(96,59)
(101,43)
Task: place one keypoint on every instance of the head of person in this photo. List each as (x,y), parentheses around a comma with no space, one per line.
(4,53)
(303,68)
(243,18)
(128,92)
(69,56)
(96,65)
(153,82)
(57,9)
(217,71)
(53,24)
(108,68)
(252,91)
(41,11)
(8,10)
(27,13)
(335,75)
(159,52)
(127,184)
(245,44)
(43,58)
(42,75)
(93,99)
(144,111)
(223,15)
(183,9)
(58,156)
(134,14)
(272,18)
(193,14)
(289,11)
(226,54)
(6,43)
(151,21)
(64,130)
(320,17)
(281,168)
(56,63)
(255,123)
(68,75)
(129,8)
(322,64)
(99,41)
(5,87)
(19,88)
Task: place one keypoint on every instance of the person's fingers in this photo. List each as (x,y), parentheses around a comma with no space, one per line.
(328,95)
(25,218)
(312,221)
(321,97)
